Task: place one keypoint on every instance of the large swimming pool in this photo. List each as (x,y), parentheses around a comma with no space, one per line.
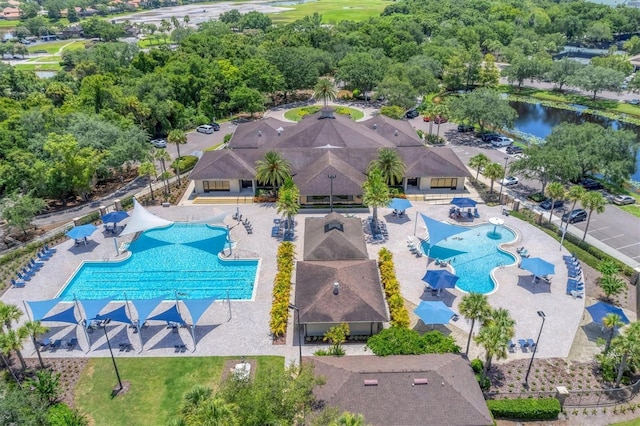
(473,255)
(180,258)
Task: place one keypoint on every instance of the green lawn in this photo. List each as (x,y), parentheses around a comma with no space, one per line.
(55,46)
(296,114)
(635,422)
(332,11)
(157,387)
(33,66)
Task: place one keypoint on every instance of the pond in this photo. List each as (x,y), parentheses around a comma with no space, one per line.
(539,120)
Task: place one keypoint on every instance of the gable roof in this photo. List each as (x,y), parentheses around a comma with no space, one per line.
(222,164)
(451,397)
(257,134)
(321,243)
(399,132)
(437,161)
(314,178)
(359,297)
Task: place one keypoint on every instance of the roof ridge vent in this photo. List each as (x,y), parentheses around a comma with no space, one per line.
(420,381)
(259,133)
(336,290)
(371,382)
(375,125)
(396,132)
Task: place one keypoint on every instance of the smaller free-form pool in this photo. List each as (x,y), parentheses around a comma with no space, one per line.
(474,254)
(180,258)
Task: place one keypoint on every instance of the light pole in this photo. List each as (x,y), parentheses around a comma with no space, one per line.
(563,229)
(331,177)
(535,347)
(104,327)
(504,175)
(295,308)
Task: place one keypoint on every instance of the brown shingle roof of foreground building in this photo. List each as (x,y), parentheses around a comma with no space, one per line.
(435,389)
(334,237)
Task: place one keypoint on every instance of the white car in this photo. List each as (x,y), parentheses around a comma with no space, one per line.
(205,128)
(159,143)
(622,200)
(509,180)
(502,141)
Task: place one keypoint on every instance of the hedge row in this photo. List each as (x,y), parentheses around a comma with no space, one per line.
(282,289)
(399,314)
(525,408)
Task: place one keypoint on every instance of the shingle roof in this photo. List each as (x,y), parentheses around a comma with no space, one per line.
(314,178)
(399,132)
(359,297)
(321,243)
(451,397)
(432,162)
(222,164)
(257,134)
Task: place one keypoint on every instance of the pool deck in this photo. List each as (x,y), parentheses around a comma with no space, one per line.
(238,328)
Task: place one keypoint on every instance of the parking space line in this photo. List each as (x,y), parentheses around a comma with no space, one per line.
(629,245)
(615,236)
(599,229)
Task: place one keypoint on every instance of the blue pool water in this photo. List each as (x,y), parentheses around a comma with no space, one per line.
(180,258)
(474,254)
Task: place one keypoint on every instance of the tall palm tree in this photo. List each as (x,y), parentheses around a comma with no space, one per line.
(494,171)
(177,137)
(273,170)
(375,193)
(474,306)
(441,110)
(627,346)
(555,191)
(325,90)
(390,164)
(494,336)
(611,322)
(12,341)
(162,155)
(575,194)
(478,162)
(147,169)
(35,329)
(8,314)
(288,201)
(592,201)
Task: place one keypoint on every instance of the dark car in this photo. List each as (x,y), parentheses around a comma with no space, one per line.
(577,215)
(514,150)
(216,126)
(412,113)
(488,137)
(239,120)
(464,128)
(546,204)
(591,184)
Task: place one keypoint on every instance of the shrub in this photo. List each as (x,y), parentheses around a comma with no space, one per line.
(63,415)
(404,341)
(394,112)
(525,408)
(485,383)
(282,289)
(434,139)
(399,314)
(227,137)
(477,365)
(186,163)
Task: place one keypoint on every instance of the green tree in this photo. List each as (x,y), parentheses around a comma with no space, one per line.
(324,90)
(349,419)
(592,201)
(246,99)
(562,71)
(495,335)
(98,91)
(148,169)
(396,91)
(360,71)
(612,285)
(177,137)
(627,347)
(375,192)
(632,46)
(11,340)
(555,191)
(255,20)
(273,170)
(390,165)
(522,68)
(337,335)
(20,406)
(288,201)
(36,329)
(19,210)
(489,72)
(596,79)
(485,107)
(46,384)
(8,314)
(474,306)
(575,194)
(478,162)
(494,171)
(611,322)
(608,267)
(202,408)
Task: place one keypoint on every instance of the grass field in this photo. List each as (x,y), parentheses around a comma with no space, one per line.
(157,387)
(297,114)
(53,47)
(333,11)
(38,67)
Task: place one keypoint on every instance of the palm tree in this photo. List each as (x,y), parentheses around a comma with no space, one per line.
(390,164)
(349,419)
(611,322)
(8,314)
(440,110)
(35,329)
(147,169)
(474,306)
(195,398)
(627,346)
(494,171)
(324,90)
(12,341)
(375,193)
(162,155)
(288,201)
(177,137)
(612,285)
(592,201)
(273,170)
(494,336)
(478,162)
(575,194)
(555,191)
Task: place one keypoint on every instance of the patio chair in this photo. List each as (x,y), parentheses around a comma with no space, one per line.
(523,345)
(72,343)
(49,250)
(577,294)
(17,284)
(35,265)
(524,253)
(56,344)
(24,277)
(512,346)
(569,258)
(531,343)
(43,255)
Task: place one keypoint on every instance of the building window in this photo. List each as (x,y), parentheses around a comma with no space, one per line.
(412,181)
(451,183)
(215,185)
(343,198)
(318,198)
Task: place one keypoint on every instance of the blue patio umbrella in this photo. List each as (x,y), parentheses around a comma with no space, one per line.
(538,267)
(434,312)
(600,310)
(463,202)
(82,231)
(399,204)
(440,279)
(115,217)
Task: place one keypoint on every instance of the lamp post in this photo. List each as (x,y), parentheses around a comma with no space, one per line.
(104,327)
(504,175)
(535,348)
(295,308)
(564,229)
(331,178)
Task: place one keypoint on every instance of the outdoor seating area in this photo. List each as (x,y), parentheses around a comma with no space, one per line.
(575,284)
(413,248)
(460,215)
(247,225)
(30,269)
(523,252)
(398,213)
(378,230)
(526,345)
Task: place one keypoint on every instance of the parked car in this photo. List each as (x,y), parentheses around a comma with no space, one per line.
(514,150)
(216,126)
(546,204)
(509,180)
(205,128)
(501,141)
(634,101)
(622,200)
(440,119)
(412,113)
(239,120)
(591,184)
(159,143)
(488,137)
(463,128)
(577,215)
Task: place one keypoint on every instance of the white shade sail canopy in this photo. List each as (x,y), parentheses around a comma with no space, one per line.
(141,220)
